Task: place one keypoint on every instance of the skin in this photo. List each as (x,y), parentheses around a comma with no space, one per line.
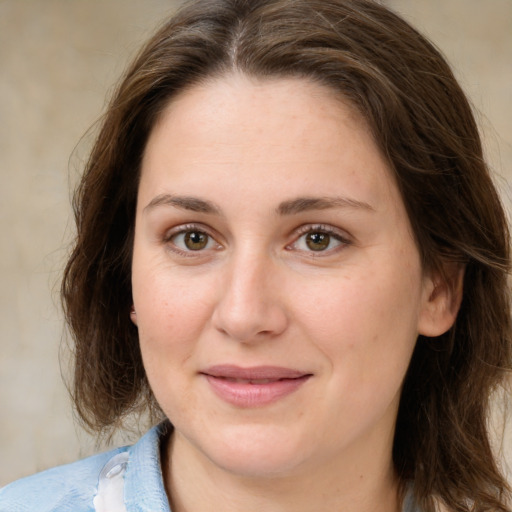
(347,314)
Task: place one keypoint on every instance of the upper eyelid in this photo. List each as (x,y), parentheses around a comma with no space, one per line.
(331,230)
(182,228)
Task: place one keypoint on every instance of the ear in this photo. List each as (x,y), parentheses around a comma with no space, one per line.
(133,315)
(441,301)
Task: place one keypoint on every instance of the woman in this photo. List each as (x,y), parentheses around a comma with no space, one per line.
(290,251)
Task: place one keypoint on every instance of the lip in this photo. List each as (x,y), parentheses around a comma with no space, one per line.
(255,386)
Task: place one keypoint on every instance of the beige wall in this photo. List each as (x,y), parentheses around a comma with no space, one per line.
(58,58)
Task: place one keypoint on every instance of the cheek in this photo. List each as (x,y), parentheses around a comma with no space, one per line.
(369,317)
(162,293)
(171,313)
(170,320)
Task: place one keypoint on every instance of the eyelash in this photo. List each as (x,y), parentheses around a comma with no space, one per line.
(321,229)
(170,236)
(183,230)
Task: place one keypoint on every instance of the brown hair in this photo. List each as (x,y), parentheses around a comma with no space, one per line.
(423,124)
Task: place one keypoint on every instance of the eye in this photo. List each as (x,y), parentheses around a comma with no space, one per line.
(193,239)
(319,239)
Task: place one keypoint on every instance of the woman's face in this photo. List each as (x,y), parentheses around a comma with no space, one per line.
(277,286)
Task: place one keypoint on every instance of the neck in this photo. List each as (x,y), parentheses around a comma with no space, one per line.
(196,484)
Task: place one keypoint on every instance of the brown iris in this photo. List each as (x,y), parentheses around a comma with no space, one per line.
(318,241)
(195,240)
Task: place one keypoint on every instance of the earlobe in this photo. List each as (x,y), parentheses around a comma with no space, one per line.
(442,300)
(133,315)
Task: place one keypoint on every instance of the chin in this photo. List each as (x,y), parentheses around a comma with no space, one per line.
(254,452)
(258,465)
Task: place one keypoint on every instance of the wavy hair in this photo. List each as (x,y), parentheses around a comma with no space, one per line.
(424,127)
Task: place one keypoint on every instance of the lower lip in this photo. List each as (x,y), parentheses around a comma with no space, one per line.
(245,394)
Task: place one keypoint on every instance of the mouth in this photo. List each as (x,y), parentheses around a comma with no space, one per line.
(250,381)
(253,387)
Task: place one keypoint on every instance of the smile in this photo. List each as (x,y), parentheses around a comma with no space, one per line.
(253,387)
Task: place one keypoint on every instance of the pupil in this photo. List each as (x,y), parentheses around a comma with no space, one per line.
(195,240)
(318,241)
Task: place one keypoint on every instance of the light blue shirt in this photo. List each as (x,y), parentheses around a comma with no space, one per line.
(73,487)
(128,479)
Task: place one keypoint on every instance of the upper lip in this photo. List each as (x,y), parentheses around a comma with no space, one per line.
(228,371)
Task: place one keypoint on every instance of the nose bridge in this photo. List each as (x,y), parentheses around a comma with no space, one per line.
(249,307)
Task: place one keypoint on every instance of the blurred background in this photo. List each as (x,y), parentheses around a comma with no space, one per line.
(58,62)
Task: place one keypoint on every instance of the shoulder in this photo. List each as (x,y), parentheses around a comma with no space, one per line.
(121,479)
(64,488)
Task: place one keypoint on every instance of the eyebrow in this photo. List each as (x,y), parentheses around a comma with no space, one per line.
(192,204)
(291,207)
(304,204)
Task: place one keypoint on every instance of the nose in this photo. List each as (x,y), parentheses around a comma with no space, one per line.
(250,307)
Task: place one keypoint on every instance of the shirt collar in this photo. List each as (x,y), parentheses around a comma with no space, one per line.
(144,486)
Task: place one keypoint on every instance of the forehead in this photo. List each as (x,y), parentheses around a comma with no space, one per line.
(261,133)
(255,106)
